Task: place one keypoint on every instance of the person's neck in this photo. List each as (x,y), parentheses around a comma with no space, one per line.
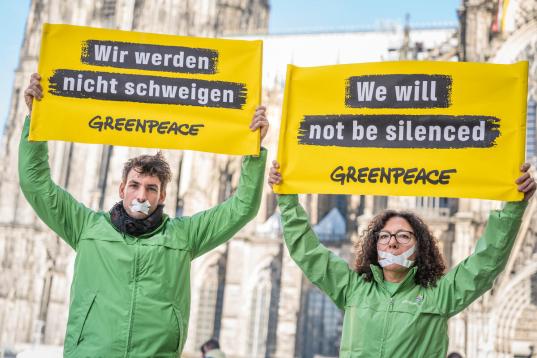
(394,276)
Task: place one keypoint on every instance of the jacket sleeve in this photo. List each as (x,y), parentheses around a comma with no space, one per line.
(321,266)
(56,207)
(476,274)
(212,227)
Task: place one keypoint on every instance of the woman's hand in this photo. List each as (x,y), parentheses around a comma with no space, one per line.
(526,184)
(275,178)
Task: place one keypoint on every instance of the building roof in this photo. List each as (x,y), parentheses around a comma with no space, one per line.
(332,227)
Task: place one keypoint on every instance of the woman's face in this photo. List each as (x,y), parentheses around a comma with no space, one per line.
(396,237)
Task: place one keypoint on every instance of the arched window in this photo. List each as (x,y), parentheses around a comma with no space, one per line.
(322,322)
(259,317)
(210,304)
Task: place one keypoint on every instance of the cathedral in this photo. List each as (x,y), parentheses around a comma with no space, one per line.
(248,293)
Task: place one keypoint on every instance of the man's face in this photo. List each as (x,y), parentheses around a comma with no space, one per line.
(141,187)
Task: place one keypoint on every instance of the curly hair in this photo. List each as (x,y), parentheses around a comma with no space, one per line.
(429,262)
(153,165)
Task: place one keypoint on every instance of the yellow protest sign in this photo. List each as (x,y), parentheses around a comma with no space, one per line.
(441,129)
(147,90)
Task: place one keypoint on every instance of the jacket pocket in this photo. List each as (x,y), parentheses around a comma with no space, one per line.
(182,331)
(433,319)
(77,319)
(360,328)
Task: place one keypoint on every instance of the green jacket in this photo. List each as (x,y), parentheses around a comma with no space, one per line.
(412,322)
(130,296)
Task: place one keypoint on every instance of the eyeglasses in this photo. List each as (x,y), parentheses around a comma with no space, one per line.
(401,236)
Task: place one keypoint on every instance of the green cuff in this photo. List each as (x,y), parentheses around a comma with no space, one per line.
(515,208)
(26,125)
(287,200)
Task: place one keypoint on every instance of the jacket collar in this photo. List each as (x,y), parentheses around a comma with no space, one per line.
(378,276)
(165,219)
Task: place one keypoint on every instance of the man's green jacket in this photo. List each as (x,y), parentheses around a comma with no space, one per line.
(411,322)
(130,296)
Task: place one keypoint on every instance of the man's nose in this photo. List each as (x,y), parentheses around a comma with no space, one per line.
(141,196)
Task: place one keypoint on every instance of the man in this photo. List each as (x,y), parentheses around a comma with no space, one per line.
(130,295)
(211,349)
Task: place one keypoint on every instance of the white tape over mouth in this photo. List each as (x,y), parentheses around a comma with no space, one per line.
(140,207)
(402,260)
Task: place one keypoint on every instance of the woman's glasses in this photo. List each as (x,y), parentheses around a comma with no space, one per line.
(401,236)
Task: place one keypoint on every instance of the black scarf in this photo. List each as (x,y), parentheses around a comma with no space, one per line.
(135,227)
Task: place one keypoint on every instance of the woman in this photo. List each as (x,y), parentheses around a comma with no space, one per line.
(397,299)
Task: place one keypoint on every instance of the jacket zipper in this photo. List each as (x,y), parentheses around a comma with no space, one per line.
(133,298)
(385,329)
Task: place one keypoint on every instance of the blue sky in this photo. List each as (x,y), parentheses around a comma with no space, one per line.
(12,19)
(286,16)
(314,15)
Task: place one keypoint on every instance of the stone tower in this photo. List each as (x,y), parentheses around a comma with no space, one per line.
(503,323)
(35,264)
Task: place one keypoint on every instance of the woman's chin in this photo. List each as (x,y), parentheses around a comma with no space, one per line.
(395,268)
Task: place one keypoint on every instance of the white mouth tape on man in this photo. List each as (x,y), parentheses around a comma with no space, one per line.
(402,260)
(140,207)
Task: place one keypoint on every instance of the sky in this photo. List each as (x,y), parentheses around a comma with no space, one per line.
(12,19)
(285,16)
(318,15)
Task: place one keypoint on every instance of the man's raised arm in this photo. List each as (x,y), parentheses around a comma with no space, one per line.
(56,207)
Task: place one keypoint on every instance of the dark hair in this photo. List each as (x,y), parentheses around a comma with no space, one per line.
(428,259)
(153,165)
(209,345)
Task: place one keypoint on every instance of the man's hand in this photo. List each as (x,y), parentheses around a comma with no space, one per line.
(34,90)
(526,184)
(275,178)
(260,121)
